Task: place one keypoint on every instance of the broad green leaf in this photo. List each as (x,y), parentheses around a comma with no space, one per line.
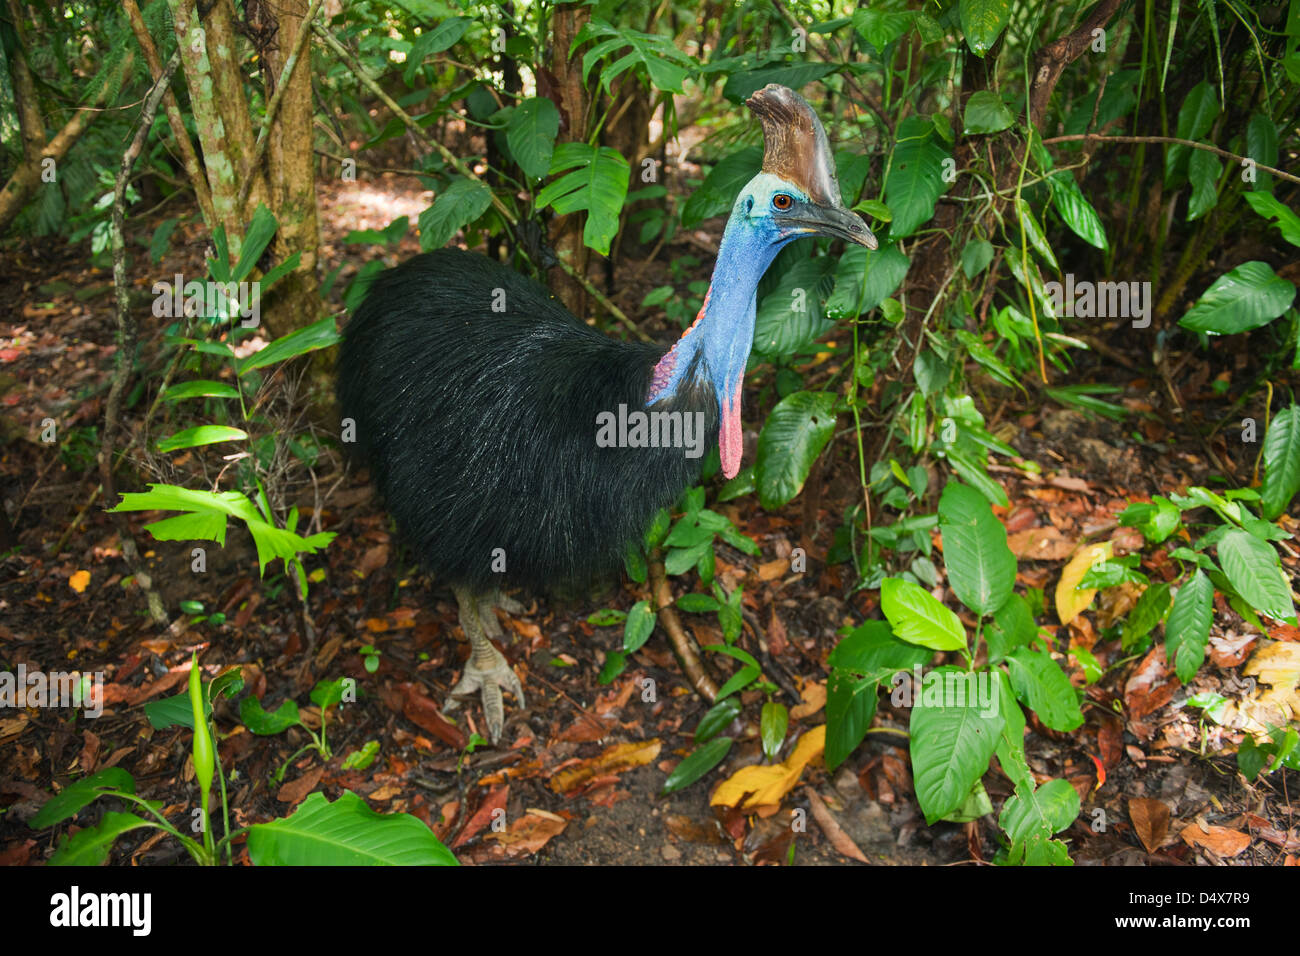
(871,647)
(638,627)
(850,705)
(442,37)
(717,194)
(774,720)
(1249,296)
(1252,568)
(982,21)
(256,238)
(345,833)
(1261,146)
(1032,815)
(201,435)
(740,86)
(1075,210)
(1041,684)
(987,358)
(78,794)
(975,257)
(916,176)
(1281,462)
(697,764)
(319,335)
(1149,611)
(918,618)
(880,27)
(981,567)
(265,723)
(717,718)
(1187,629)
(530,134)
(90,847)
(985,113)
(1034,232)
(596,182)
(665,65)
(789,317)
(1203,169)
(1013,626)
(795,433)
(697,603)
(864,278)
(1287,222)
(463,201)
(1194,120)
(953,736)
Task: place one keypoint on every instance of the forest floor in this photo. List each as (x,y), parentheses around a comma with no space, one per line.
(579,771)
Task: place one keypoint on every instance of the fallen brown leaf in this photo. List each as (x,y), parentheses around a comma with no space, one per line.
(1150,821)
(842,842)
(1219,840)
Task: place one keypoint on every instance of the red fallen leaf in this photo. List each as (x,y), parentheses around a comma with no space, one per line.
(1151,686)
(1285,632)
(1101,772)
(1231,649)
(89,751)
(423,712)
(17,854)
(529,833)
(777,640)
(9,355)
(1110,741)
(484,815)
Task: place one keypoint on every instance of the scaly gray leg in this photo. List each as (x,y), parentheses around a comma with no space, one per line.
(486,671)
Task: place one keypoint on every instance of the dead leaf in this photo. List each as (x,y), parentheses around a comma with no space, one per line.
(89,751)
(615,759)
(529,833)
(1150,820)
(770,570)
(421,710)
(1151,686)
(814,699)
(295,791)
(79,580)
(492,808)
(1218,840)
(766,786)
(1041,544)
(374,559)
(1069,602)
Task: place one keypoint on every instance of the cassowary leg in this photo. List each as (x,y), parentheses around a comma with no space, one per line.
(486,671)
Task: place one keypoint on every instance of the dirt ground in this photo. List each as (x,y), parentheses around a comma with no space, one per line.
(580,770)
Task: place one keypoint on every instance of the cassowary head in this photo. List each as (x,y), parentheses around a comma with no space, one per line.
(797,193)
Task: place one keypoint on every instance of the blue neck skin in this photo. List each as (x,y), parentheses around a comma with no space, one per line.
(723,333)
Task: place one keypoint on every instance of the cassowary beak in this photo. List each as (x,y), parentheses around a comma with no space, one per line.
(834,221)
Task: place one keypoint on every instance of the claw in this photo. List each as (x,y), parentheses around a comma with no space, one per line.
(489,681)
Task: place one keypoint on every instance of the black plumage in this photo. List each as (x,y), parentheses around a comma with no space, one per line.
(480,425)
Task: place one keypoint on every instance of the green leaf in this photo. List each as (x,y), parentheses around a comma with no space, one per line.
(76,795)
(1194,120)
(952,738)
(327,693)
(442,37)
(697,603)
(915,176)
(174,711)
(463,201)
(256,238)
(1203,169)
(607,617)
(789,317)
(264,723)
(850,705)
(987,358)
(530,134)
(1043,686)
(1281,462)
(717,194)
(1249,296)
(864,278)
(1261,146)
(774,720)
(919,618)
(975,257)
(1187,629)
(985,113)
(1034,233)
(793,436)
(90,847)
(1252,568)
(597,183)
(1149,611)
(1075,210)
(199,389)
(201,435)
(1287,222)
(879,27)
(1032,815)
(695,766)
(638,627)
(982,21)
(1013,626)
(319,335)
(717,718)
(345,833)
(740,86)
(655,56)
(981,567)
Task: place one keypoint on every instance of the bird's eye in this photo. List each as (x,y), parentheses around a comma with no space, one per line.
(782,201)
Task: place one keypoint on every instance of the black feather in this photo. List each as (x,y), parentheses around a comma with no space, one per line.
(480,426)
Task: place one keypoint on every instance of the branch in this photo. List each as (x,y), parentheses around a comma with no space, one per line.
(1175,140)
(1052,59)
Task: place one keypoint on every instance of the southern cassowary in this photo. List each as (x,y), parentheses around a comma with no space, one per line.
(478,399)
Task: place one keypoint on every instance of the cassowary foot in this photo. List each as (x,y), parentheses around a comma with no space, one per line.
(487,671)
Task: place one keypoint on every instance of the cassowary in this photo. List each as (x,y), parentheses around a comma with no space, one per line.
(484,406)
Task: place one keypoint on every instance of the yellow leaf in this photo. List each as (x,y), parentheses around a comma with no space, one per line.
(1069,602)
(79,580)
(615,759)
(767,786)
